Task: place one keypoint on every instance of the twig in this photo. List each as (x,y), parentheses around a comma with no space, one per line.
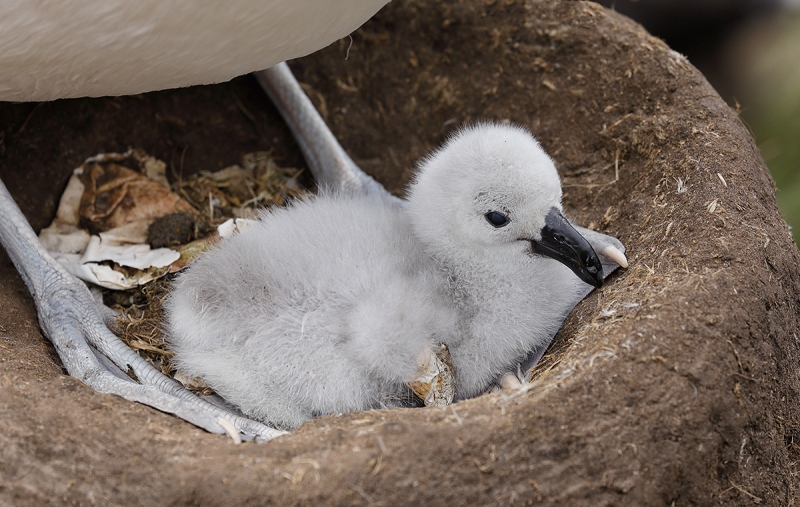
(379,461)
(28,118)
(455,414)
(606,129)
(592,185)
(744,491)
(347,55)
(736,353)
(758,229)
(361,492)
(243,109)
(745,377)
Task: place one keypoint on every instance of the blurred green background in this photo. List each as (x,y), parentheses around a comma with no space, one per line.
(750,52)
(770,98)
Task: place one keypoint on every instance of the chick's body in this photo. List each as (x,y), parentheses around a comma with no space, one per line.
(318,308)
(324,307)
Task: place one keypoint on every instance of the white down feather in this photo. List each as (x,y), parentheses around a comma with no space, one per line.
(323,307)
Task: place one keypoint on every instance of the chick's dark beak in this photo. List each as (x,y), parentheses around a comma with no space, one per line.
(563,243)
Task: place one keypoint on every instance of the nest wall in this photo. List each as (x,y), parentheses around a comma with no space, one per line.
(675,384)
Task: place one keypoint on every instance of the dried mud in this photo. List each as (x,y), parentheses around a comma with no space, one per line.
(676,384)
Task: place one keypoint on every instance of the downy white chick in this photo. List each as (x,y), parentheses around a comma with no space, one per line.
(323,307)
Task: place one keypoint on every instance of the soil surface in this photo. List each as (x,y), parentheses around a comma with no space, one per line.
(675,384)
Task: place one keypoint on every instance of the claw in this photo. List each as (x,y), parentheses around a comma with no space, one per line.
(230,429)
(510,382)
(435,379)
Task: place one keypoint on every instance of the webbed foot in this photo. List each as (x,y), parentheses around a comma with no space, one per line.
(78,327)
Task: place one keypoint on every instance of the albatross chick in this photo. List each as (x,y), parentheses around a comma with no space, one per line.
(324,306)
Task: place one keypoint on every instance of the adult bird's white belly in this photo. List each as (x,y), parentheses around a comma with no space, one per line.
(74,48)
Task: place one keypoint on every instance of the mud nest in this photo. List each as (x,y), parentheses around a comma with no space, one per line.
(675,384)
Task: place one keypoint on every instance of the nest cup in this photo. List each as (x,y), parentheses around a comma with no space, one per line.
(674,383)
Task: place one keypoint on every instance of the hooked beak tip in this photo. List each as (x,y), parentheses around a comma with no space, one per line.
(563,243)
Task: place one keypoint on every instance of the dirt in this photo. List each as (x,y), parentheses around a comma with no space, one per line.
(675,384)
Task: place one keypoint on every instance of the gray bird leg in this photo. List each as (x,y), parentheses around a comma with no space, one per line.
(77,326)
(330,165)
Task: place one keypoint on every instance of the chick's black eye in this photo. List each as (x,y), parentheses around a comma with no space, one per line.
(497,219)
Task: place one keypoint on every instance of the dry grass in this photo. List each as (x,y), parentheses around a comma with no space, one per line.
(233,192)
(239,191)
(139,324)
